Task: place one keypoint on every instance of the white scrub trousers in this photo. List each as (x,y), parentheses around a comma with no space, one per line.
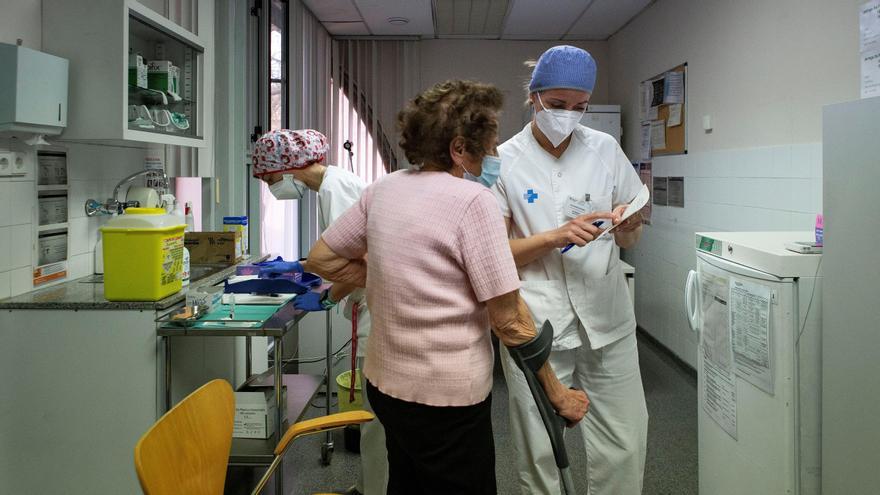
(373,478)
(615,429)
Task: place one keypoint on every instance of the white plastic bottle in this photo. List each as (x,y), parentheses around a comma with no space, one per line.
(185,275)
(99,251)
(189,219)
(99,254)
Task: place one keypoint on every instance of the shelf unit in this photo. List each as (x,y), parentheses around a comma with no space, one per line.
(98,46)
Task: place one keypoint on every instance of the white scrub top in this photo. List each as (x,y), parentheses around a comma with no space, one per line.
(585,285)
(340,190)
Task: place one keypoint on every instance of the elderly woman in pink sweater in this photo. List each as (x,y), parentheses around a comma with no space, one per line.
(439,275)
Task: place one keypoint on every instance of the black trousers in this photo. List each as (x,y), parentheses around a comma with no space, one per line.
(436,450)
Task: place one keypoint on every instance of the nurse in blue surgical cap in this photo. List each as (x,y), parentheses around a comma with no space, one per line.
(561,184)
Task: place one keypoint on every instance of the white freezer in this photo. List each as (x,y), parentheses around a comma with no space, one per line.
(605,118)
(776,447)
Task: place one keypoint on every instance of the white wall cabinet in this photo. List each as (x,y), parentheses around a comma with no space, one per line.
(97,39)
(33,90)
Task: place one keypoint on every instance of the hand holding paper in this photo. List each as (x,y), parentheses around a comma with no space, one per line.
(634,206)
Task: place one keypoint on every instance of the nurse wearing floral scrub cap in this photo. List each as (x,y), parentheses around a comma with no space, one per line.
(292,162)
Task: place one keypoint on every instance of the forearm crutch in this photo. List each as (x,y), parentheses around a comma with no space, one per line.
(530,357)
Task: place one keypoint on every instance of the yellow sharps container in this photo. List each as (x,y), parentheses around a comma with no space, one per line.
(143,255)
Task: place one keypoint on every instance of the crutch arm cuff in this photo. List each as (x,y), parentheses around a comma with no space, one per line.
(534,353)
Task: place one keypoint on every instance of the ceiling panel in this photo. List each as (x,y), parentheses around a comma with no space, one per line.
(463,13)
(333,10)
(377,12)
(474,18)
(542,19)
(347,28)
(444,15)
(605,17)
(491,19)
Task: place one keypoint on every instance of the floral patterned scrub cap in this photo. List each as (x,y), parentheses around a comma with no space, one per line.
(284,150)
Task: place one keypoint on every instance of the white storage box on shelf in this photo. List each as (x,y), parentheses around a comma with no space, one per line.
(255,413)
(105,105)
(33,91)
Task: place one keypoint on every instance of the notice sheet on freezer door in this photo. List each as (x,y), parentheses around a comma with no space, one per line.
(718,393)
(750,333)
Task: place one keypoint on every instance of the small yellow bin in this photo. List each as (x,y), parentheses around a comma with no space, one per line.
(343,382)
(143,255)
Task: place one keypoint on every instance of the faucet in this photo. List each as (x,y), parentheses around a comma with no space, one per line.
(113,205)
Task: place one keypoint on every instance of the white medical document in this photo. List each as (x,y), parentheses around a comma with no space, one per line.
(635,205)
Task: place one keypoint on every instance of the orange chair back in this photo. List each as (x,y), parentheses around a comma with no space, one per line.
(187,450)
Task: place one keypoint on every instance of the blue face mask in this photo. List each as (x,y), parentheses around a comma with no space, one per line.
(491,169)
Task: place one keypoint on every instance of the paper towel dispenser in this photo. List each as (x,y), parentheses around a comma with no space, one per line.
(33,91)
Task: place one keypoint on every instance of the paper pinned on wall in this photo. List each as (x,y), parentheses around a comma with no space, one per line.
(718,391)
(644,101)
(653,113)
(869,31)
(870,75)
(869,26)
(645,173)
(673,87)
(658,135)
(658,92)
(674,115)
(646,142)
(750,333)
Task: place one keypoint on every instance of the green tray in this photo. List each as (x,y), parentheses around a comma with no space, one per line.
(246,315)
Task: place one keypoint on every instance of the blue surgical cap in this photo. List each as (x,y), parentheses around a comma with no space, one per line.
(564,67)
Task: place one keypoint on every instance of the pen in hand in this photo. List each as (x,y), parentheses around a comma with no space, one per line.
(595,224)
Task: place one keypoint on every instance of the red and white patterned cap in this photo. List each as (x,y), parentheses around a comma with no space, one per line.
(284,150)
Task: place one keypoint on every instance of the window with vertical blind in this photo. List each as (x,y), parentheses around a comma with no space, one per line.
(350,90)
(278,89)
(370,83)
(364,156)
(279,219)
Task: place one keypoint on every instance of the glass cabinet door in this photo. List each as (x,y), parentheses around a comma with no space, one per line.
(163,77)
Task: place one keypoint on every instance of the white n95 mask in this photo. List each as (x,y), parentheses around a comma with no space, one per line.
(288,188)
(557,125)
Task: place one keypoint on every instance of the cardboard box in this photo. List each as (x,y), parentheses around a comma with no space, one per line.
(137,71)
(162,75)
(255,413)
(213,247)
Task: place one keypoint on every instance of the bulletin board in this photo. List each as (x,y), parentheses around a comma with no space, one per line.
(663,100)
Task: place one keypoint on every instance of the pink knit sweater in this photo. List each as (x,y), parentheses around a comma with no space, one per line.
(438,250)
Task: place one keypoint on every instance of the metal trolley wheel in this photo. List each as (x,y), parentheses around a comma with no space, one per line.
(326,454)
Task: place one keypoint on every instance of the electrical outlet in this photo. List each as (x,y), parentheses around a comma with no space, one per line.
(18,165)
(6,163)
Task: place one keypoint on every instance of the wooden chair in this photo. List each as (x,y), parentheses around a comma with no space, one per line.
(187,450)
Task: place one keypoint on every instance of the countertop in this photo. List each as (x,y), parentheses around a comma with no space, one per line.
(81,294)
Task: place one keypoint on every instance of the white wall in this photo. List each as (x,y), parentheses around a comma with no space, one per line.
(501,63)
(21,19)
(92,173)
(762,70)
